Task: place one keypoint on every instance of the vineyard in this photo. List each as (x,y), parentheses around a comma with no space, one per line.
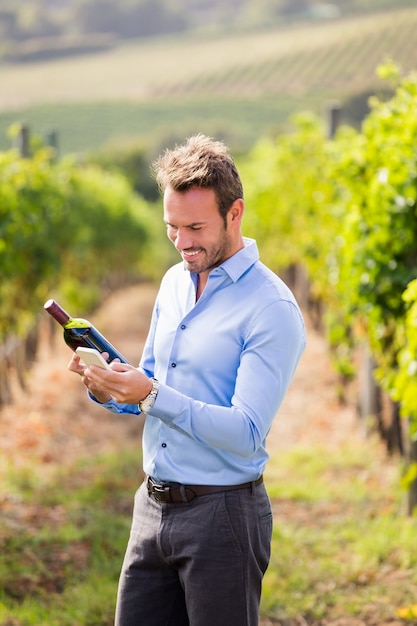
(335,215)
(240,86)
(342,212)
(336,60)
(338,215)
(68,232)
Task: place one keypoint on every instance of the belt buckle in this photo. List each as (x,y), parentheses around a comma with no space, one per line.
(165,493)
(157,491)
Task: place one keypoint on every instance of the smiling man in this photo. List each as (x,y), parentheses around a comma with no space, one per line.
(225,338)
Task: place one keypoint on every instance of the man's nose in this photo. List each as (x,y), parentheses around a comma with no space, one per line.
(183,240)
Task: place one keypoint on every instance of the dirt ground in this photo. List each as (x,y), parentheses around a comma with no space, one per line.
(53,421)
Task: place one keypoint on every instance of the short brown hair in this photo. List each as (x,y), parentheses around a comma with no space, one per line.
(200,162)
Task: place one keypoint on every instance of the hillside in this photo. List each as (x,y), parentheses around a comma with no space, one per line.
(337,58)
(245,83)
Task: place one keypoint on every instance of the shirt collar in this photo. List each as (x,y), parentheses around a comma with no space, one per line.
(237,264)
(242,260)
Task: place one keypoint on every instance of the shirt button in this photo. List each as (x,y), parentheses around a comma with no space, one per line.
(173,365)
(164,445)
(183,327)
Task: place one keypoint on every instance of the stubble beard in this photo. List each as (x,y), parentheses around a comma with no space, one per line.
(212,257)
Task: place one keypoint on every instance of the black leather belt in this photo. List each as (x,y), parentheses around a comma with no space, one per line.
(177,493)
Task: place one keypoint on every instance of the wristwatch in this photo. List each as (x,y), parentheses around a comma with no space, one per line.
(148,401)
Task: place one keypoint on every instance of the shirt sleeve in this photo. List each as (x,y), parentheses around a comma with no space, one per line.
(115,407)
(271,351)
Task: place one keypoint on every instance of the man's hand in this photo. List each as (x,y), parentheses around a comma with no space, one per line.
(78,367)
(123,382)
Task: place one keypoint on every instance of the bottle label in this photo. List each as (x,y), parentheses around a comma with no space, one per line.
(77,323)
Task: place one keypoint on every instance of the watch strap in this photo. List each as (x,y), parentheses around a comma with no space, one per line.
(148,401)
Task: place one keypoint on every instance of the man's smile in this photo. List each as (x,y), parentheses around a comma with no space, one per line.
(190,254)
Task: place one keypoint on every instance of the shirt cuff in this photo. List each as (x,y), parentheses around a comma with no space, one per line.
(115,407)
(168,404)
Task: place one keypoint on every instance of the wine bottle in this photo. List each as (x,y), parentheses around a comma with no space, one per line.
(79,332)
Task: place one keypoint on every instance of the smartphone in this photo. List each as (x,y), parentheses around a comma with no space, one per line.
(91,356)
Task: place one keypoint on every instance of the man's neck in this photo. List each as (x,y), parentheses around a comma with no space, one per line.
(201,283)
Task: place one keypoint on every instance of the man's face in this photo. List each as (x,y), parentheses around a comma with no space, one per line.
(197,230)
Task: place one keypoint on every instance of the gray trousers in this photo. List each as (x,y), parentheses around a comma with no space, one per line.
(199,563)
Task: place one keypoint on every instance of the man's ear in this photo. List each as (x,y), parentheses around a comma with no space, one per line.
(236,210)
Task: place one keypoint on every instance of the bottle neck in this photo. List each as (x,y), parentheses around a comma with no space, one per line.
(57,312)
(62,317)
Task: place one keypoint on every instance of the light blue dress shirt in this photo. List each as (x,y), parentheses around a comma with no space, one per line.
(224,364)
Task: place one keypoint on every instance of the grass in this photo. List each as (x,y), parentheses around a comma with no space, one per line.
(341,545)
(62,542)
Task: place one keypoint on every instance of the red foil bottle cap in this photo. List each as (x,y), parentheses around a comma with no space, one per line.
(56,311)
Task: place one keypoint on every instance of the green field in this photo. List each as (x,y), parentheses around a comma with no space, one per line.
(238,86)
